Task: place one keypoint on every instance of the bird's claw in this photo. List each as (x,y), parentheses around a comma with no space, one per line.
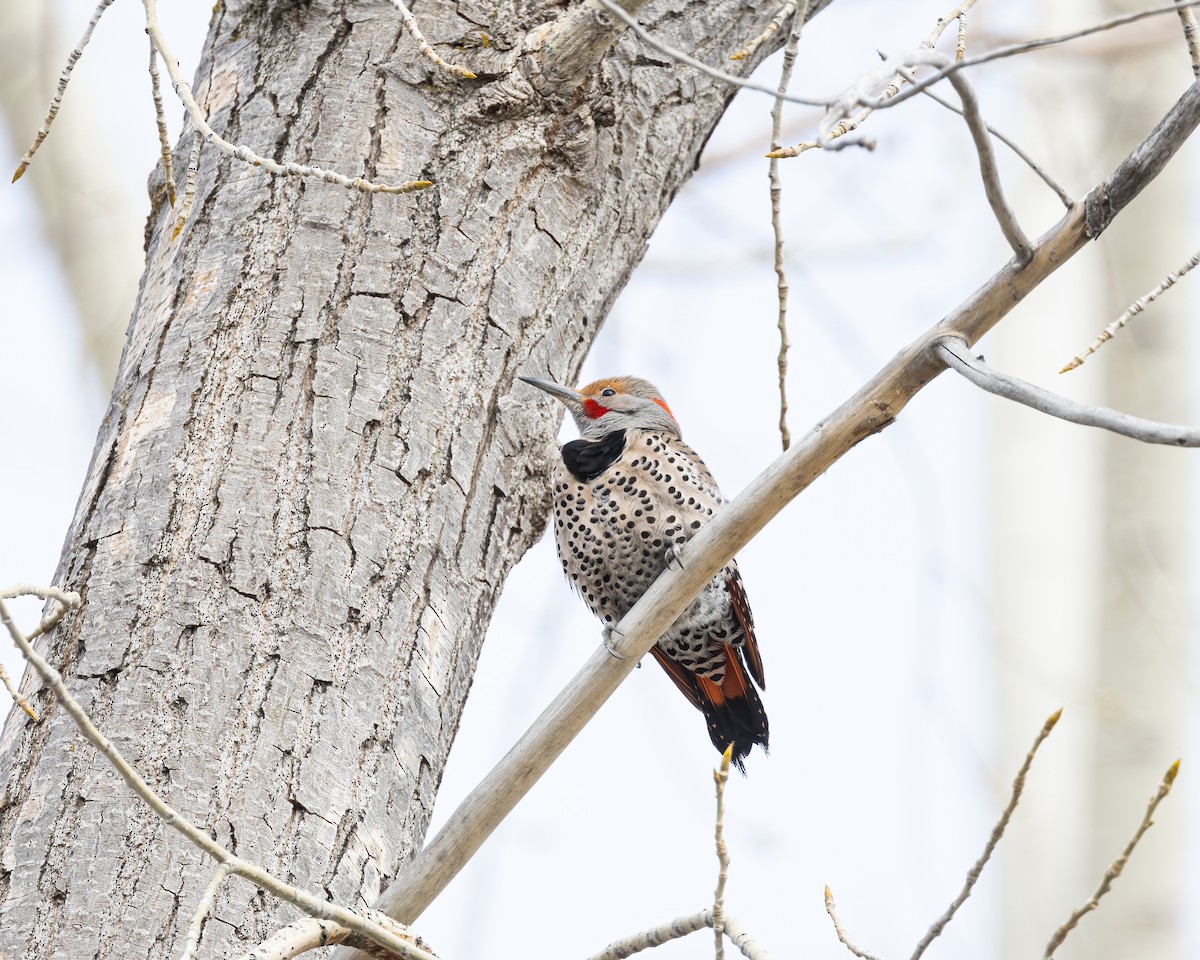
(673,555)
(612,636)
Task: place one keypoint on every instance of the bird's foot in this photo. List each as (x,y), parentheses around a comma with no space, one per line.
(612,636)
(673,555)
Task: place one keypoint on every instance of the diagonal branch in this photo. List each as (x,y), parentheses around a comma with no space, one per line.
(997,832)
(959,357)
(1115,868)
(868,411)
(843,937)
(1135,308)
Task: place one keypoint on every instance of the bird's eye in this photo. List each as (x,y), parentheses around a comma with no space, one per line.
(608,392)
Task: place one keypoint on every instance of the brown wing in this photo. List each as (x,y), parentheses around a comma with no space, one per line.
(741,610)
(683,678)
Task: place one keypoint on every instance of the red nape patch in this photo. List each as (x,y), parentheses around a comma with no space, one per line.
(593,410)
(663,404)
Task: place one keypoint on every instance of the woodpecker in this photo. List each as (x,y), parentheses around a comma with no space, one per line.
(627,495)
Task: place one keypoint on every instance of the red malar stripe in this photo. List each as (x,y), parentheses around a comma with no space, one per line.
(593,410)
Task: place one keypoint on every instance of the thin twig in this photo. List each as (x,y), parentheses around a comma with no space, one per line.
(785,12)
(864,99)
(241,152)
(960,46)
(1027,46)
(749,947)
(673,930)
(831,909)
(856,94)
(872,408)
(955,353)
(785,77)
(997,832)
(414,31)
(297,938)
(161,121)
(189,185)
(63,79)
(700,65)
(400,944)
(1053,184)
(18,697)
(959,13)
(721,777)
(202,908)
(312,932)
(1191,36)
(1115,868)
(848,124)
(656,936)
(1135,308)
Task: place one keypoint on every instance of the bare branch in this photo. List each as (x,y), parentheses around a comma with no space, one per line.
(297,938)
(656,936)
(746,944)
(1115,868)
(779,152)
(189,186)
(958,356)
(312,933)
(831,909)
(875,405)
(1019,48)
(700,65)
(16,694)
(161,122)
(997,832)
(777,21)
(1191,36)
(959,13)
(679,927)
(856,95)
(202,908)
(400,944)
(1135,308)
(721,777)
(414,31)
(1062,194)
(63,80)
(781,280)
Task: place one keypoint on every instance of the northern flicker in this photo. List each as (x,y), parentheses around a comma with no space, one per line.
(627,494)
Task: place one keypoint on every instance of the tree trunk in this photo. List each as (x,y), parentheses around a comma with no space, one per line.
(312,480)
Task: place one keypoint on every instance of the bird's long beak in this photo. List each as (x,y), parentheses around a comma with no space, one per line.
(565,394)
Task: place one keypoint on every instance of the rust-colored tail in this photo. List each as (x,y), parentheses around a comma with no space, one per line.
(732,708)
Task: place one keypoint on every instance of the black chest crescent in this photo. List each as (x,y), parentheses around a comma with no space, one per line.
(587,459)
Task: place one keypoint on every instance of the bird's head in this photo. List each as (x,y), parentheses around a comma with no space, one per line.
(613,403)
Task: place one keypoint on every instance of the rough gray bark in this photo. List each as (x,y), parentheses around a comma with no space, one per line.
(311,482)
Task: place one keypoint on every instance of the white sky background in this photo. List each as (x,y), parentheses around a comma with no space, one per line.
(870,592)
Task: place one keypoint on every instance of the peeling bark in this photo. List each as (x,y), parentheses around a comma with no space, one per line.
(312,480)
